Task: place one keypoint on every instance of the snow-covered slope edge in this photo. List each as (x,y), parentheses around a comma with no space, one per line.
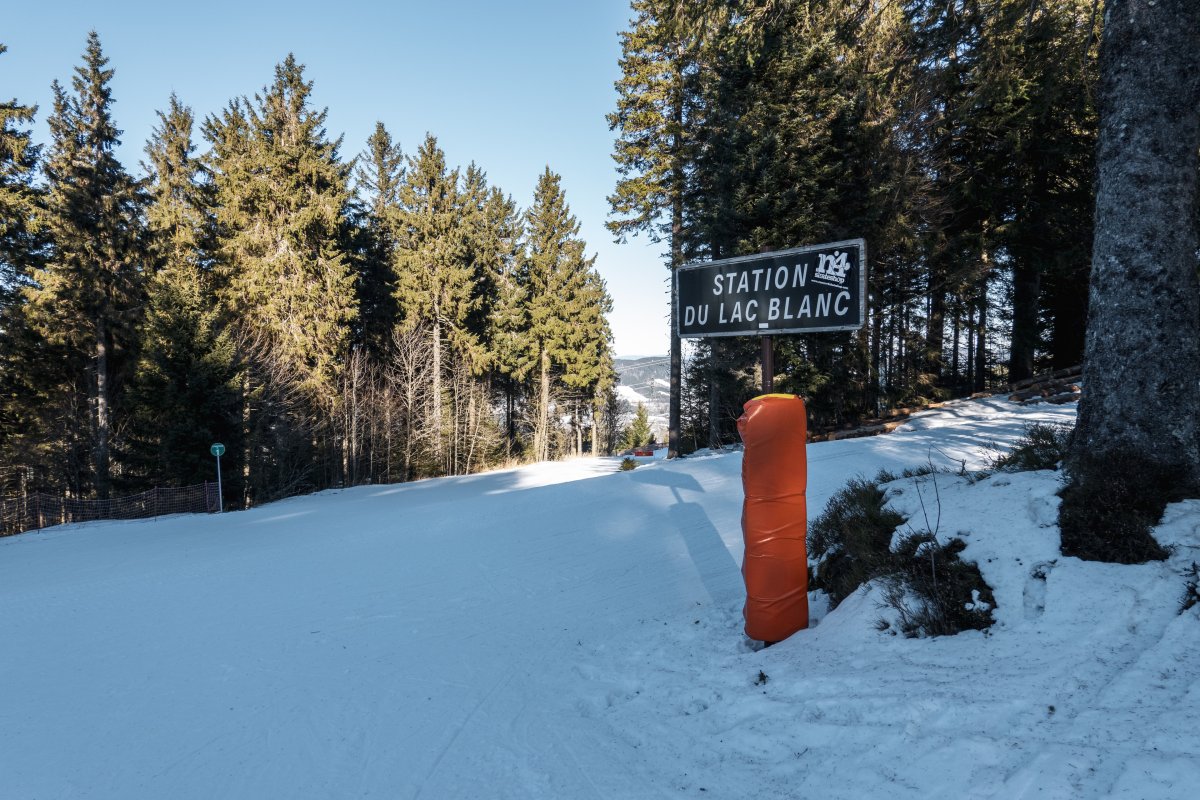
(569,631)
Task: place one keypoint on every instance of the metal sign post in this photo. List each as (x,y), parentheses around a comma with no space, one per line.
(218,450)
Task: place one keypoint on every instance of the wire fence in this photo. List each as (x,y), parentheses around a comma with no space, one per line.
(36,511)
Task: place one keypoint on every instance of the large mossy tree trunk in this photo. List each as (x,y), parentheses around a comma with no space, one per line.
(1137,443)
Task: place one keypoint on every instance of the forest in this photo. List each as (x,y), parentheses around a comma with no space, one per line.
(957,137)
(331,320)
(340,320)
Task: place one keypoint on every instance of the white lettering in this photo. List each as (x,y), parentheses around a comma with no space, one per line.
(823,300)
(773,309)
(689,316)
(744,283)
(805,307)
(736,314)
(800,275)
(751,314)
(717,285)
(781,277)
(757,274)
(838,307)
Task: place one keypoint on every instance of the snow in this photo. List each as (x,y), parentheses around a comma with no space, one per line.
(631,395)
(567,630)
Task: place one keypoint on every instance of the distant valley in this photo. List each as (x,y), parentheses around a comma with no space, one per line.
(646,380)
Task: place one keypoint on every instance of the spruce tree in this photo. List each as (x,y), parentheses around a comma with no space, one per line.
(508,312)
(88,297)
(283,276)
(379,176)
(638,432)
(433,274)
(652,151)
(20,249)
(568,340)
(182,395)
(18,159)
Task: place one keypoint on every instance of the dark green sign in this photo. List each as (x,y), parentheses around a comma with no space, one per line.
(802,290)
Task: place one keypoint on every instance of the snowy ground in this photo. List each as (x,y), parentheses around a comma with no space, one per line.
(569,631)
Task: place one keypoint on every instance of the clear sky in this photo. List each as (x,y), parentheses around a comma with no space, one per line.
(511,86)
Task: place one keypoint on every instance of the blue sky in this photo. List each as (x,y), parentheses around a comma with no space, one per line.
(513,87)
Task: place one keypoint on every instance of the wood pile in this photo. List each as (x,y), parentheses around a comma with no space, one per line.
(1057,387)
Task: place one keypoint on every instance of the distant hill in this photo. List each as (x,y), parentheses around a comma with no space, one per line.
(646,380)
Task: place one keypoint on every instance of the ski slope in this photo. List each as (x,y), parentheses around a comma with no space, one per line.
(566,630)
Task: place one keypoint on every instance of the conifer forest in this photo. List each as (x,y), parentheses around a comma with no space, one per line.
(331,320)
(956,137)
(337,319)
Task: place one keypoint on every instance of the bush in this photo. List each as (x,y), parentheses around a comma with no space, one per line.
(850,540)
(934,592)
(1043,446)
(628,464)
(1191,589)
(1110,504)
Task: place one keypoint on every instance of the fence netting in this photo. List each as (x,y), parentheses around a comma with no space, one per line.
(35,511)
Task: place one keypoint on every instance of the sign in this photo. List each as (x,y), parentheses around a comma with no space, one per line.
(803,290)
(217,449)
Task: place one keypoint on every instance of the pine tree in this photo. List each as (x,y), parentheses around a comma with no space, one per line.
(18,159)
(182,395)
(508,312)
(434,276)
(283,276)
(568,336)
(652,151)
(638,432)
(20,248)
(379,176)
(88,297)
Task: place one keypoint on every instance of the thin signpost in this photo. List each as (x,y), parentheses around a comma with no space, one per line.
(218,450)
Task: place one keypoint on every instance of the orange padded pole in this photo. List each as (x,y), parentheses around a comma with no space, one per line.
(774,429)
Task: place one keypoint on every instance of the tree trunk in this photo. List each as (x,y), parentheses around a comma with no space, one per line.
(1139,422)
(677,183)
(436,341)
(981,340)
(935,333)
(541,435)
(103,423)
(1026,290)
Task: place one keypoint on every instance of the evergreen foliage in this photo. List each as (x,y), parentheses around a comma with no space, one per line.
(568,337)
(182,396)
(336,323)
(955,139)
(638,432)
(284,280)
(652,150)
(85,302)
(931,589)
(18,159)
(378,176)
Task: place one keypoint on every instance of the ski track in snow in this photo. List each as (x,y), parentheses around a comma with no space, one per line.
(567,630)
